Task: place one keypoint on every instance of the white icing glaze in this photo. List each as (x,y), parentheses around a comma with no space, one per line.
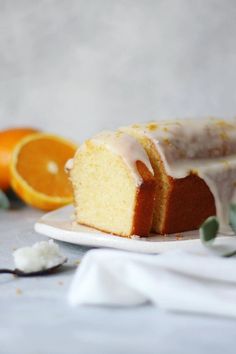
(127,148)
(206,147)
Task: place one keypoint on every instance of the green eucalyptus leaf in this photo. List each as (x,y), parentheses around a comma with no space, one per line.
(4,202)
(209,230)
(232,217)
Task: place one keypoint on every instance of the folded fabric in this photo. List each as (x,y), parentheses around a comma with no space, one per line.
(176,281)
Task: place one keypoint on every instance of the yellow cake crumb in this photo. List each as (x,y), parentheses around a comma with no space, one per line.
(77,262)
(224,124)
(224,136)
(166,141)
(152,126)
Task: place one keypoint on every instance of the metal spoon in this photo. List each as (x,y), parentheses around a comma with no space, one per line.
(45,271)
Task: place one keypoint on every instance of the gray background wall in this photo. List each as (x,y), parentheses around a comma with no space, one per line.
(78,66)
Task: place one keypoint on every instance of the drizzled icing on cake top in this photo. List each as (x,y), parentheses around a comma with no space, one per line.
(127,148)
(206,147)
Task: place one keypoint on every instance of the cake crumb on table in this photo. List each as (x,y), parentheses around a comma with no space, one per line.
(135,237)
(139,238)
(18,291)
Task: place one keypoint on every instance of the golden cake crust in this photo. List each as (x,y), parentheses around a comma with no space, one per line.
(143,212)
(189,203)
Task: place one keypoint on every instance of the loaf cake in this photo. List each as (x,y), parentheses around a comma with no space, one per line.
(164,176)
(195,169)
(113,185)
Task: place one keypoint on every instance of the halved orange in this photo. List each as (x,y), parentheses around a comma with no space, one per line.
(8,140)
(37,171)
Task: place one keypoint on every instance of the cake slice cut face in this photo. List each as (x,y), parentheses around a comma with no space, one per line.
(113,185)
(194,162)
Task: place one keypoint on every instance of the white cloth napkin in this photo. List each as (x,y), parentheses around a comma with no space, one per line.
(176,281)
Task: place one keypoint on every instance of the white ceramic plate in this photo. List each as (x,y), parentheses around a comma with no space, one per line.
(58,225)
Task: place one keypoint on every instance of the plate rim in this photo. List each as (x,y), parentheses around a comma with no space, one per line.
(100,239)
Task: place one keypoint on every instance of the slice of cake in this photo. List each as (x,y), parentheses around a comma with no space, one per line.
(113,185)
(194,163)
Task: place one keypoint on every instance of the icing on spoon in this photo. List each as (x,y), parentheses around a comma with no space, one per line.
(40,259)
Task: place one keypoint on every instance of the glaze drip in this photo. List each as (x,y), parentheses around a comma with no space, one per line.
(127,148)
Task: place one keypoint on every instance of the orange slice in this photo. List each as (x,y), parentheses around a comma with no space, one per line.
(8,140)
(37,171)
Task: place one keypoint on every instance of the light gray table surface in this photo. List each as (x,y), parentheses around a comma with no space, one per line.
(35,317)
